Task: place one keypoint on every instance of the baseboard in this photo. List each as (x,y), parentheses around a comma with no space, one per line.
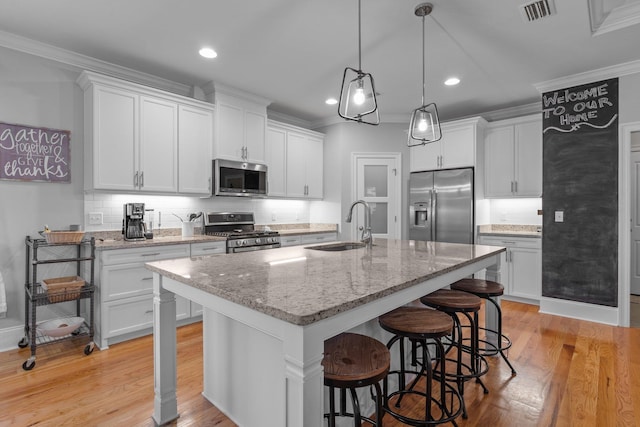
(580,310)
(9,337)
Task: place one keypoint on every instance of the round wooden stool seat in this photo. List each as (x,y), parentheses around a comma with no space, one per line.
(416,322)
(353,360)
(448,300)
(479,287)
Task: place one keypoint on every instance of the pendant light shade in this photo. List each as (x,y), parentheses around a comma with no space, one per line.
(424,125)
(358,94)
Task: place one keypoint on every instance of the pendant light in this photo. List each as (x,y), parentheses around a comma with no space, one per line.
(424,125)
(358,94)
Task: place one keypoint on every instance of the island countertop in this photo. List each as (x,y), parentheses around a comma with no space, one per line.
(302,286)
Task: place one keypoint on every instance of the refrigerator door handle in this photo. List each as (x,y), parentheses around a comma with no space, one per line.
(434,215)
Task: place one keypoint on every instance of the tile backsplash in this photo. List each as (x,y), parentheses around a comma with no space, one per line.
(167,209)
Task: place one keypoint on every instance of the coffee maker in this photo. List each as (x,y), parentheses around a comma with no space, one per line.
(133,223)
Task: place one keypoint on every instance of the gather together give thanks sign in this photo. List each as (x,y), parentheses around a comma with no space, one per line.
(34,154)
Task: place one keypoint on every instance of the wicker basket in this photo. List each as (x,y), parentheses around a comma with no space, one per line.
(63,236)
(63,288)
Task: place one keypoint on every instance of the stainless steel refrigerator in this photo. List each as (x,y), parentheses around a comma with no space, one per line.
(441,205)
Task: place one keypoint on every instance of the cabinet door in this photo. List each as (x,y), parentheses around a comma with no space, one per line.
(115,139)
(296,164)
(230,131)
(195,142)
(275,157)
(158,145)
(499,167)
(255,128)
(457,147)
(313,169)
(526,272)
(424,157)
(529,159)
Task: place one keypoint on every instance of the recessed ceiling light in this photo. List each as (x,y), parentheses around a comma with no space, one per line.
(207,52)
(331,101)
(452,81)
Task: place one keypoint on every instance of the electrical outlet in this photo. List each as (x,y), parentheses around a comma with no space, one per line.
(559,216)
(95,218)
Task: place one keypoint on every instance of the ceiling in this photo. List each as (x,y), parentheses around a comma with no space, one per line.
(293,52)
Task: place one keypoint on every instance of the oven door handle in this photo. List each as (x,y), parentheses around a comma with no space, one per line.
(253,248)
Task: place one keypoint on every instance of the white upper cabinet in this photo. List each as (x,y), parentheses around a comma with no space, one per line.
(457,148)
(195,150)
(135,136)
(158,153)
(113,127)
(275,157)
(513,158)
(241,125)
(295,161)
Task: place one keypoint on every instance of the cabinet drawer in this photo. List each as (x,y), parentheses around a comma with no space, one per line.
(318,238)
(290,240)
(124,281)
(207,248)
(147,254)
(512,242)
(134,314)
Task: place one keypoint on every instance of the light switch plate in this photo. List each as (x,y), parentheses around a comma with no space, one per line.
(559,216)
(95,218)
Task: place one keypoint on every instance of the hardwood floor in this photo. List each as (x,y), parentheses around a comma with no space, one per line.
(570,373)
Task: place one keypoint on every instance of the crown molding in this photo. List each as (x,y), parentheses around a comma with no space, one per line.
(619,70)
(212,88)
(617,18)
(287,118)
(83,62)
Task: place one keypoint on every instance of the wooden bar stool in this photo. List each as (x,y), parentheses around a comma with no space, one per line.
(424,328)
(454,302)
(487,289)
(352,361)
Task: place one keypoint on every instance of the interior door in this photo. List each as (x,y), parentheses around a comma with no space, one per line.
(635,222)
(377,181)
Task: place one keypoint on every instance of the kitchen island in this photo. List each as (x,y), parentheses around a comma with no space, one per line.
(268,313)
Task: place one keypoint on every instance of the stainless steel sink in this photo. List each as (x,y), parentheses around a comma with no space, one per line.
(334,247)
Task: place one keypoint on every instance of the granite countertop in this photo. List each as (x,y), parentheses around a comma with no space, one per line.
(510,230)
(108,240)
(302,286)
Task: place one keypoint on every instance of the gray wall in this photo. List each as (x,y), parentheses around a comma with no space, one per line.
(341,140)
(39,93)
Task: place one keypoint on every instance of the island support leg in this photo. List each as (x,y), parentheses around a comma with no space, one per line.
(304,380)
(165,404)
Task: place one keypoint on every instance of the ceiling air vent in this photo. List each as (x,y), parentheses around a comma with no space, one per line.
(536,10)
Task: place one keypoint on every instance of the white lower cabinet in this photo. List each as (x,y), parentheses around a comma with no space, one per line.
(124,292)
(521,265)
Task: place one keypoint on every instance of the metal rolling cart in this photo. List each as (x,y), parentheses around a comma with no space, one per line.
(40,292)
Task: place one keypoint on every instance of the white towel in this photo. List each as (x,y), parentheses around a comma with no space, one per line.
(3,299)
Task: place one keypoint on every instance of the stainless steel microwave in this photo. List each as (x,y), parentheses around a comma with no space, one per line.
(234,178)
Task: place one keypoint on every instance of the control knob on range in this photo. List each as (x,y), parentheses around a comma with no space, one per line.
(258,241)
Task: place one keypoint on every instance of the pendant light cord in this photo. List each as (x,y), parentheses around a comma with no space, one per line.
(423,55)
(359,38)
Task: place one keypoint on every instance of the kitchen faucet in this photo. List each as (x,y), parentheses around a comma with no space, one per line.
(366,232)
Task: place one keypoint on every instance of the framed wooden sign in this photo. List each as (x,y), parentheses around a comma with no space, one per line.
(34,154)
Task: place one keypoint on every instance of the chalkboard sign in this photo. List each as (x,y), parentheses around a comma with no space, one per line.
(580,179)
(579,108)
(34,154)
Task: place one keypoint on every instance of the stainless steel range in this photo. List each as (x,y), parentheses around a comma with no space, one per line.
(239,229)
